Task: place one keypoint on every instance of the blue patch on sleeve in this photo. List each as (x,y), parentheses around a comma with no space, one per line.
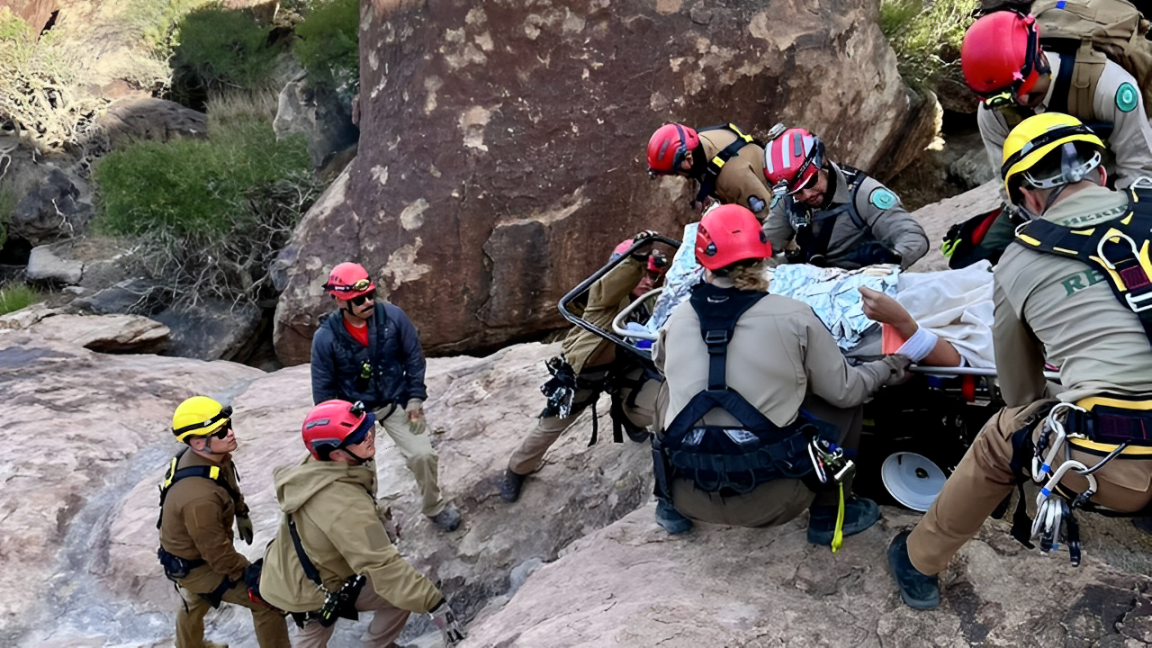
(1127,97)
(882,198)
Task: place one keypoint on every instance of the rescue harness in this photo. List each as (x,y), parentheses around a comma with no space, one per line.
(736,459)
(712,170)
(338,604)
(1107,426)
(813,246)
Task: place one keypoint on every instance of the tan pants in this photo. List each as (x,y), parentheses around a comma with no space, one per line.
(386,624)
(271,627)
(421,457)
(775,502)
(984,478)
(530,455)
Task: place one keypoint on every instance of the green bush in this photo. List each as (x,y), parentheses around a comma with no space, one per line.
(155,20)
(329,45)
(210,214)
(219,50)
(13,297)
(921,31)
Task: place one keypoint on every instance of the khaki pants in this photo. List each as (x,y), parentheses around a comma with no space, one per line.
(775,502)
(386,624)
(421,457)
(984,478)
(271,627)
(530,455)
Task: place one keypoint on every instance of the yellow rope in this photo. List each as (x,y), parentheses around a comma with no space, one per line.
(838,537)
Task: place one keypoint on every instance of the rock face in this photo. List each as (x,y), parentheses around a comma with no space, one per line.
(578,561)
(106,334)
(502,148)
(323,118)
(148,118)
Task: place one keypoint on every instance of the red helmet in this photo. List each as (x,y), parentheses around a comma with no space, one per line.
(335,424)
(668,147)
(727,234)
(793,159)
(1000,57)
(349,280)
(657,261)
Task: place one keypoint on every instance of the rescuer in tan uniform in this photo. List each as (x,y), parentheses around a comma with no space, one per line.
(589,366)
(1050,308)
(332,555)
(727,163)
(837,216)
(780,359)
(200,500)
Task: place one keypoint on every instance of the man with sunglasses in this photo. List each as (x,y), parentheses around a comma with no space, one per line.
(1016,75)
(199,498)
(332,557)
(727,163)
(838,216)
(589,366)
(368,351)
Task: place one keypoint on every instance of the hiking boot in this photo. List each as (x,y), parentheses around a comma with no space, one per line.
(918,591)
(510,486)
(448,520)
(859,514)
(670,519)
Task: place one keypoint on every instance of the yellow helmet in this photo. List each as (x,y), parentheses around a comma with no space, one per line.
(1035,137)
(199,416)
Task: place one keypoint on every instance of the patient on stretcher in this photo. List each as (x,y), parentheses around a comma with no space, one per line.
(939,318)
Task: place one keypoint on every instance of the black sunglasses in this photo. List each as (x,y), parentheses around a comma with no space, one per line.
(222,432)
(360,299)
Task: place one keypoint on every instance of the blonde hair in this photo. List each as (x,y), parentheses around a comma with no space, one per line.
(747,275)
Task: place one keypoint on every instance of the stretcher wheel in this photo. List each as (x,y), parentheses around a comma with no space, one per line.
(912,479)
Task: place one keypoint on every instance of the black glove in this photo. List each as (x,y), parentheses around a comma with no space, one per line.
(244,528)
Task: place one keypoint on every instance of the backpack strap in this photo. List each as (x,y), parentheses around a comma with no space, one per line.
(716,164)
(1109,247)
(855,178)
(174,475)
(1061,99)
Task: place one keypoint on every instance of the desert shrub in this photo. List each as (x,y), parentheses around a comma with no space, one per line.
(38,95)
(329,45)
(219,50)
(155,20)
(926,35)
(13,297)
(210,214)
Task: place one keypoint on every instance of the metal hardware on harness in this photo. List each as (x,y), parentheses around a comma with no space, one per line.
(1042,464)
(829,461)
(1107,238)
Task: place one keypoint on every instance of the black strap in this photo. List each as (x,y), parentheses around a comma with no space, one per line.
(716,164)
(310,570)
(174,475)
(1063,83)
(813,244)
(719,309)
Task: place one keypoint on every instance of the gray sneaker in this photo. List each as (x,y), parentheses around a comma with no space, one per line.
(448,520)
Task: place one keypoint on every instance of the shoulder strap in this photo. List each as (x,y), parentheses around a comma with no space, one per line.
(719,309)
(310,570)
(1111,248)
(1063,84)
(855,178)
(174,475)
(716,164)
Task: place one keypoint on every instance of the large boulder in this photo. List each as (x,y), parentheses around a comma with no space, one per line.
(323,117)
(58,207)
(147,118)
(502,147)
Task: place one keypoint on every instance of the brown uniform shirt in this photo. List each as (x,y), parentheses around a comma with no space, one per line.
(197,524)
(741,180)
(1063,310)
(606,298)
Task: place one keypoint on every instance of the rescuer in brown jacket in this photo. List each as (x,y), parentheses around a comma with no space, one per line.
(332,555)
(199,502)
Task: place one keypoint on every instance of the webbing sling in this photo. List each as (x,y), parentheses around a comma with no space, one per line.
(1118,248)
(207,472)
(716,164)
(310,570)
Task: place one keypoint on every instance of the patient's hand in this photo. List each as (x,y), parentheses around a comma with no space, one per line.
(882,308)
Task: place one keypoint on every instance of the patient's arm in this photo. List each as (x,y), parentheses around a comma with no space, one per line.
(882,308)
